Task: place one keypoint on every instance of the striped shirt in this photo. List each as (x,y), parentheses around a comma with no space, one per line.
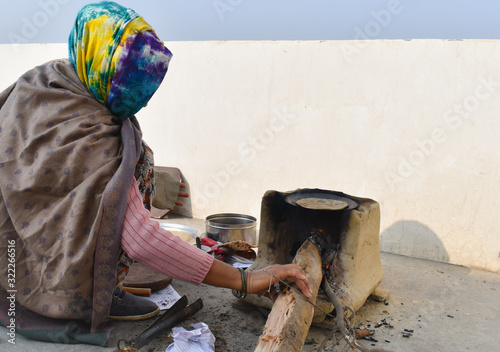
(146,242)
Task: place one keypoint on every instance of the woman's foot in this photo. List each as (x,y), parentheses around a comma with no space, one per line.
(128,307)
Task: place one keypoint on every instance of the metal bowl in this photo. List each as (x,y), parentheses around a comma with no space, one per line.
(227,227)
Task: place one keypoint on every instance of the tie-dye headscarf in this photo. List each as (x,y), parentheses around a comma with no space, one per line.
(118,56)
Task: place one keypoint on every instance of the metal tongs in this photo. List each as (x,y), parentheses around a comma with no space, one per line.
(179,312)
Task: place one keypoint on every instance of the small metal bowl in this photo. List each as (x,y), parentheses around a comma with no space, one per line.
(227,227)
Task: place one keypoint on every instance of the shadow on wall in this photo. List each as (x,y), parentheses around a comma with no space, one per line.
(413,239)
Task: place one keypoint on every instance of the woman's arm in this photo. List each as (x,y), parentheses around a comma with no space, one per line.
(259,281)
(146,242)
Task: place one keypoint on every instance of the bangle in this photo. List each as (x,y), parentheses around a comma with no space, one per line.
(243,292)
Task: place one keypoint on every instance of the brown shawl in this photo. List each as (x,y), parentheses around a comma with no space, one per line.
(66,165)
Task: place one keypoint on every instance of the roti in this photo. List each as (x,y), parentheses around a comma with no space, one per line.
(322,204)
(183,235)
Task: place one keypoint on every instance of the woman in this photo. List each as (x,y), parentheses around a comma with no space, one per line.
(69,144)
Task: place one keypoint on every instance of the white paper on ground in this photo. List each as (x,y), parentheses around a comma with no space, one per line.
(239,262)
(200,339)
(241,265)
(164,298)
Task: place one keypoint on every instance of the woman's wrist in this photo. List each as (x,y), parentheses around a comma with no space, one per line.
(223,275)
(242,293)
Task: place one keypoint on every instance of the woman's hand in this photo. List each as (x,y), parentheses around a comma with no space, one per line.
(224,275)
(259,281)
(181,194)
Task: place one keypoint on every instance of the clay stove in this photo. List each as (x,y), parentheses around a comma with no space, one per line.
(351,237)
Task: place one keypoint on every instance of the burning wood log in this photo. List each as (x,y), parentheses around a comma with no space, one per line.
(289,321)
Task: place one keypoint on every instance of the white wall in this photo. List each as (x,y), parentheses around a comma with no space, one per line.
(411,124)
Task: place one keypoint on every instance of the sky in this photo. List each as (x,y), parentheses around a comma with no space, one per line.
(50,21)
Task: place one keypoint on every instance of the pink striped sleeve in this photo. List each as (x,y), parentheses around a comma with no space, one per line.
(146,242)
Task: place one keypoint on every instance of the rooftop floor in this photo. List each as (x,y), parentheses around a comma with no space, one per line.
(449,308)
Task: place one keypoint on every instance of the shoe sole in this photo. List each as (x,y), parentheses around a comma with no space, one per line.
(136,317)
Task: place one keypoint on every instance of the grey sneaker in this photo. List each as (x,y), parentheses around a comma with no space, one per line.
(128,307)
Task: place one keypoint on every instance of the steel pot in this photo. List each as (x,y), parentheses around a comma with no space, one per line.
(227,227)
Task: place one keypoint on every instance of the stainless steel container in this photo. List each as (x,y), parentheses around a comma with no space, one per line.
(227,227)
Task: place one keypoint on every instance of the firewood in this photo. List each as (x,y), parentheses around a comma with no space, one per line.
(291,316)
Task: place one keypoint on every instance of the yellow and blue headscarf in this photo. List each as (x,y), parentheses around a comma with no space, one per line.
(118,56)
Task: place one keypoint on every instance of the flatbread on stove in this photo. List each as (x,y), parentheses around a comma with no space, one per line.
(322,204)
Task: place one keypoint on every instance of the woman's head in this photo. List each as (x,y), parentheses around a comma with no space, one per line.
(117,56)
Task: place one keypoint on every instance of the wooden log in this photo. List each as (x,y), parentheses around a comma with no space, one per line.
(289,321)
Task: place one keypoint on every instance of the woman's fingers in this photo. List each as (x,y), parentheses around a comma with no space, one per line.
(298,276)
(183,194)
(305,287)
(259,281)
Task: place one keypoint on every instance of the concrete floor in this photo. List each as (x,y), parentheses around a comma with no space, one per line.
(449,308)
